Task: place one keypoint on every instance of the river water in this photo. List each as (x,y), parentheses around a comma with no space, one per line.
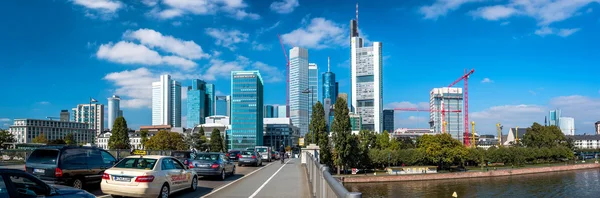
(579,183)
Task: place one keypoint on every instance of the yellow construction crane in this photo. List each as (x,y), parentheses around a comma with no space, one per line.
(473,134)
(517,135)
(444,123)
(499,128)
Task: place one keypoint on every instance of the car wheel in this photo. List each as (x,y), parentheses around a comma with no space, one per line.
(164,191)
(77,183)
(194,184)
(222,175)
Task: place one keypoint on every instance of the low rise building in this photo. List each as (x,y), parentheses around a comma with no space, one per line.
(585,141)
(278,131)
(411,133)
(135,139)
(157,128)
(25,130)
(513,133)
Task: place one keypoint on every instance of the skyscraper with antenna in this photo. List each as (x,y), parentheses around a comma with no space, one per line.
(330,93)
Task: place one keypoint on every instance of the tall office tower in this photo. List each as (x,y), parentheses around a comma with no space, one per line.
(210,100)
(388,120)
(166,102)
(597,126)
(92,114)
(222,105)
(281,111)
(452,100)
(196,105)
(299,98)
(567,125)
(114,110)
(268,111)
(554,118)
(313,86)
(246,110)
(367,83)
(65,116)
(329,85)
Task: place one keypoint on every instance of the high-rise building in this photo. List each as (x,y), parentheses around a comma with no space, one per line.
(114,110)
(388,120)
(276,111)
(554,118)
(299,99)
(281,111)
(452,100)
(597,126)
(313,85)
(92,114)
(196,105)
(329,85)
(246,110)
(166,102)
(65,116)
(222,105)
(210,100)
(367,83)
(567,125)
(268,111)
(356,122)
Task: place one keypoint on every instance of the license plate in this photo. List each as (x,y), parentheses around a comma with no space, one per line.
(122,179)
(35,170)
(203,165)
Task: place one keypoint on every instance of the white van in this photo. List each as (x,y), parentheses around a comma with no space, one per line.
(265,152)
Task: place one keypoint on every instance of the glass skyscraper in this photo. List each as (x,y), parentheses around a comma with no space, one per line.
(313,85)
(281,111)
(114,110)
(329,86)
(246,110)
(299,101)
(222,105)
(388,120)
(269,111)
(196,96)
(554,118)
(166,102)
(210,100)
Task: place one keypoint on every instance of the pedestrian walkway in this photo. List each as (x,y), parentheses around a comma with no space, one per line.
(274,180)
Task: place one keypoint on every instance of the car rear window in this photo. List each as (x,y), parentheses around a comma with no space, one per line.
(42,156)
(247,153)
(262,150)
(137,163)
(209,157)
(180,154)
(234,152)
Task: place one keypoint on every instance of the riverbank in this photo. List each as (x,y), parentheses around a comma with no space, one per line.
(461,175)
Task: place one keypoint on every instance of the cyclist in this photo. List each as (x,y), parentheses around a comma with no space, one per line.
(282,153)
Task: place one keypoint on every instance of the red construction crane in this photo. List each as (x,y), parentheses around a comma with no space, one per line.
(287,66)
(465,79)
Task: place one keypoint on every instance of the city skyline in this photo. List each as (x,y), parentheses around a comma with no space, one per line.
(526,61)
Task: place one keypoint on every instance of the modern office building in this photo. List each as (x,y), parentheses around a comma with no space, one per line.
(329,85)
(92,115)
(597,126)
(65,116)
(567,125)
(299,101)
(269,111)
(367,81)
(246,110)
(114,110)
(313,86)
(25,130)
(196,103)
(388,120)
(210,100)
(452,101)
(280,131)
(166,102)
(554,118)
(222,105)
(356,122)
(282,111)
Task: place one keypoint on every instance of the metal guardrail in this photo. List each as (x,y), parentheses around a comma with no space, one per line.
(323,185)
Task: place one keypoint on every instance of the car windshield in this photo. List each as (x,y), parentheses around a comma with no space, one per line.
(247,153)
(262,150)
(180,154)
(137,163)
(208,157)
(42,156)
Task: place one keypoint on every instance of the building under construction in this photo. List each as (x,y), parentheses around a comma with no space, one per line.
(447,102)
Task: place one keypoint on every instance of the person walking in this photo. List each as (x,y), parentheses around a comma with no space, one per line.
(282,153)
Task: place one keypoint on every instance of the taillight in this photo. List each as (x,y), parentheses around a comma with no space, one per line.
(227,155)
(25,166)
(148,178)
(105,176)
(253,157)
(239,156)
(58,172)
(214,166)
(191,165)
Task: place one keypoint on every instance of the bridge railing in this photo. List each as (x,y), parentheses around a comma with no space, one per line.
(323,185)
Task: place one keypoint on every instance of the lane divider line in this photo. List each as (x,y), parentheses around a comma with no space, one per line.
(233,182)
(264,184)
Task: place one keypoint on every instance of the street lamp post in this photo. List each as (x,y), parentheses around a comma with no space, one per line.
(312,92)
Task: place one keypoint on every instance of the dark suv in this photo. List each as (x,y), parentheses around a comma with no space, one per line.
(76,166)
(234,155)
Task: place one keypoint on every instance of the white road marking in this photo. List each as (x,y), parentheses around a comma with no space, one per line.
(263,185)
(233,182)
(103,196)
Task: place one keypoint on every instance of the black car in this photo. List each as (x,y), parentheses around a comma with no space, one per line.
(75,166)
(183,156)
(17,183)
(234,155)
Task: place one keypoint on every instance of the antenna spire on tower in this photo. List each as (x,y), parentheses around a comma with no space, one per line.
(357,15)
(328,65)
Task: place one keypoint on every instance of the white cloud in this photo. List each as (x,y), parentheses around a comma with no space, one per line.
(487,80)
(408,105)
(227,38)
(125,52)
(320,33)
(567,32)
(129,23)
(441,8)
(150,2)
(496,12)
(550,11)
(219,93)
(5,119)
(544,31)
(532,92)
(134,86)
(178,8)
(270,74)
(284,6)
(264,30)
(219,68)
(183,92)
(104,9)
(259,46)
(170,44)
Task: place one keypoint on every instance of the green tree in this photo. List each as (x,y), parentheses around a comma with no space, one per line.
(70,139)
(165,140)
(317,121)
(367,141)
(120,135)
(198,141)
(176,141)
(325,154)
(383,140)
(442,148)
(40,139)
(144,137)
(5,137)
(342,136)
(216,141)
(539,136)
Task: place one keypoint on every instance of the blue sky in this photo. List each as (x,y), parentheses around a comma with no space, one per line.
(529,56)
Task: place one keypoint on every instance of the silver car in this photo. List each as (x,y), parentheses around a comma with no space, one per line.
(212,164)
(250,158)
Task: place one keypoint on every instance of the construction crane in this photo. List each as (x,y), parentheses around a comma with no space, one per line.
(465,79)
(428,110)
(473,134)
(287,66)
(499,129)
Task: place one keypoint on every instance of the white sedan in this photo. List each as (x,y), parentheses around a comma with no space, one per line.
(148,176)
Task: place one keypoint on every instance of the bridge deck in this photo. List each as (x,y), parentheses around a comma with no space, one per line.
(274,180)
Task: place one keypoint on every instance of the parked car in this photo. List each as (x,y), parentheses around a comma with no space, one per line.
(265,152)
(18,183)
(212,164)
(75,166)
(233,155)
(182,156)
(250,158)
(275,155)
(148,176)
